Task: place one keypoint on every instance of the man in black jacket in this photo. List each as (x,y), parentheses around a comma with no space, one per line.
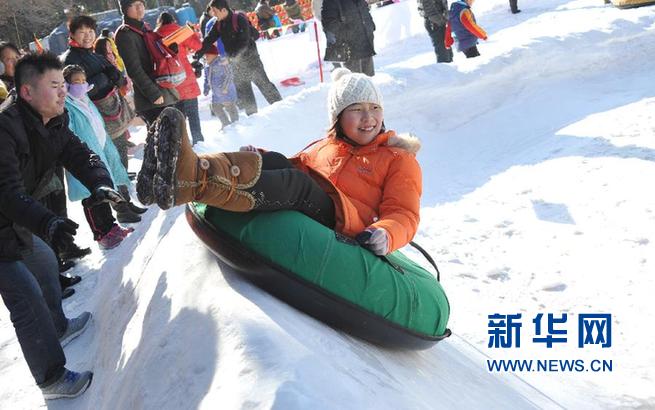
(349,27)
(149,98)
(237,36)
(34,137)
(435,16)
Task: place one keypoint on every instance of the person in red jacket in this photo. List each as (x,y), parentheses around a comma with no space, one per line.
(189,89)
(361,179)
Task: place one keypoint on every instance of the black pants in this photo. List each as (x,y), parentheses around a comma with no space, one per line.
(150,116)
(282,186)
(226,112)
(190,109)
(121,145)
(514,5)
(248,69)
(361,65)
(471,52)
(99,218)
(437,35)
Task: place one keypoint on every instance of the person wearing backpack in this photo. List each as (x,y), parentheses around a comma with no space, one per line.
(149,97)
(239,37)
(189,89)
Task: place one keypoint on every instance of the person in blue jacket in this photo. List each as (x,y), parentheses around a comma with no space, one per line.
(219,79)
(462,24)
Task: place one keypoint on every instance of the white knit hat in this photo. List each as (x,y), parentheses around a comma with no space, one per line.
(350,88)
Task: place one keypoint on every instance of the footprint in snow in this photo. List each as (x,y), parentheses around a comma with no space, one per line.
(504,224)
(499,275)
(557,287)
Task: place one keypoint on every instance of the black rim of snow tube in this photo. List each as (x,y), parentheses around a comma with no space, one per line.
(306,296)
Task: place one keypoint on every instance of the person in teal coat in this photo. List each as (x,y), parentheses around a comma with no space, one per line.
(87,124)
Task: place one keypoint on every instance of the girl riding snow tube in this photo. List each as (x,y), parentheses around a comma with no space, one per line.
(361,179)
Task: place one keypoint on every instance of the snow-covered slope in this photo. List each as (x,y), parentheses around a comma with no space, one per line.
(538,159)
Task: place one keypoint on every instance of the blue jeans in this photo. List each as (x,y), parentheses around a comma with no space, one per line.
(31,291)
(190,110)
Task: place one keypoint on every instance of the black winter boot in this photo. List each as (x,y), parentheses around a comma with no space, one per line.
(68,281)
(125,193)
(124,214)
(136,209)
(68,292)
(73,251)
(148,168)
(65,264)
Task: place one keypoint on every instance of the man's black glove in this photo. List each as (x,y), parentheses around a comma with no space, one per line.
(104,193)
(197,55)
(59,232)
(197,68)
(174,47)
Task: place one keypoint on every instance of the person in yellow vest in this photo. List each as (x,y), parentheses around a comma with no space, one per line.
(105,33)
(3,89)
(106,47)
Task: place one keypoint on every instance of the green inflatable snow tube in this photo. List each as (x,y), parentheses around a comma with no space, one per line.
(392,301)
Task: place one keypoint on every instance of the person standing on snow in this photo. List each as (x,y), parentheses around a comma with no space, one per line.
(435,16)
(219,79)
(514,6)
(149,98)
(235,31)
(349,28)
(188,89)
(106,80)
(461,23)
(86,122)
(34,137)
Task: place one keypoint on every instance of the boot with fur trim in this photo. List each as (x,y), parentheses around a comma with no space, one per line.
(215,179)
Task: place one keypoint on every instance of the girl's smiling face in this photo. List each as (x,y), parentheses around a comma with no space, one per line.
(362,122)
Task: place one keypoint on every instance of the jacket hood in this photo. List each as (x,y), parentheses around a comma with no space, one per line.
(408,142)
(405,141)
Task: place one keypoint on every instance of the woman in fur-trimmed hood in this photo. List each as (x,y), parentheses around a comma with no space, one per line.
(370,173)
(361,180)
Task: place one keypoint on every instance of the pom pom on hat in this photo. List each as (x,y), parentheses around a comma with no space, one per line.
(338,73)
(350,88)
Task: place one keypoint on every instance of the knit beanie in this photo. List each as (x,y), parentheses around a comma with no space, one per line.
(350,88)
(123,5)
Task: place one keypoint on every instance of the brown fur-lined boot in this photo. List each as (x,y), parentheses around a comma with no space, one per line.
(182,176)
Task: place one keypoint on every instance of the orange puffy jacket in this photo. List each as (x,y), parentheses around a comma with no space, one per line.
(375,185)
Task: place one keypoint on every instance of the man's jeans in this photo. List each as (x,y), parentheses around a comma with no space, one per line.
(31,291)
(190,110)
